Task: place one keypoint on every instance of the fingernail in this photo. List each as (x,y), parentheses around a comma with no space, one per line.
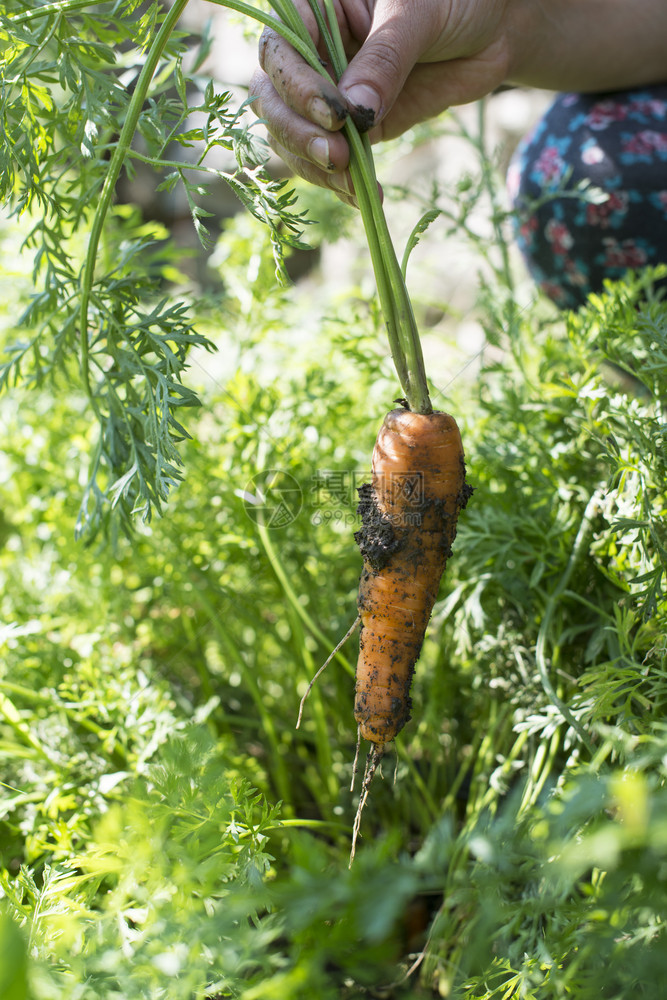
(320,113)
(318,151)
(342,182)
(366,105)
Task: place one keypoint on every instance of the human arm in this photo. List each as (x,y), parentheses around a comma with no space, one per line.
(590,46)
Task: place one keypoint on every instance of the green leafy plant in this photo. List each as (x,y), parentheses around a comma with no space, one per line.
(164,830)
(79,85)
(527,861)
(71,119)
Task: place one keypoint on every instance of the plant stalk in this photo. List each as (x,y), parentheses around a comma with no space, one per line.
(115,167)
(402,332)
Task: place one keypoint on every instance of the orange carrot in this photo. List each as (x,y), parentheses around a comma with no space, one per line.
(409,513)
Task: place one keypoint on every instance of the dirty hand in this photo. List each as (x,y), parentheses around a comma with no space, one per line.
(409,60)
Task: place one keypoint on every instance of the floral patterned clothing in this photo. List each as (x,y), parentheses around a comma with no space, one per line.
(589,184)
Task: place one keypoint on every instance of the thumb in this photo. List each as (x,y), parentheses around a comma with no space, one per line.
(400,33)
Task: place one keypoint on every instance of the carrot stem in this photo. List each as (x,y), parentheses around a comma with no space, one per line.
(410,369)
(337,49)
(395,303)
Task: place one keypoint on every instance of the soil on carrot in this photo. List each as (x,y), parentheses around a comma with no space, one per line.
(466,490)
(377,538)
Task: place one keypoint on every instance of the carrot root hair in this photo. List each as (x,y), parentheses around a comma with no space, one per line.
(375,755)
(353,627)
(355,762)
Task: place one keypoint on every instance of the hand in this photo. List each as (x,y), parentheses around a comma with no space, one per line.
(409,60)
(412,59)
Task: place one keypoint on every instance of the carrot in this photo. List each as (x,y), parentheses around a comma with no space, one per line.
(409,513)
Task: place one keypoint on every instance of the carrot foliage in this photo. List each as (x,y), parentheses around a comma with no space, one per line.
(89,93)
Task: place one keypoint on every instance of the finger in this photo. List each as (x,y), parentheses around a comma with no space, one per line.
(431,88)
(299,136)
(339,182)
(400,36)
(301,87)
